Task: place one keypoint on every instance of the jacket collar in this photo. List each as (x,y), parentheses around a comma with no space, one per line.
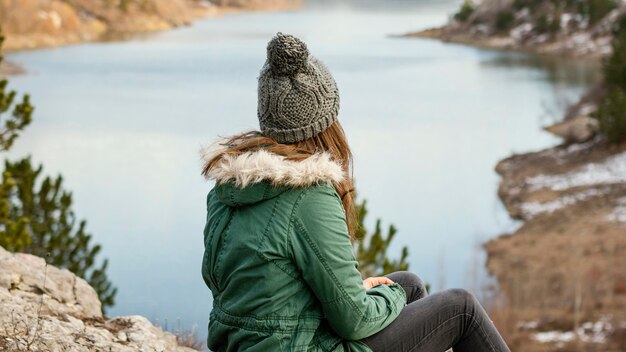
(253,167)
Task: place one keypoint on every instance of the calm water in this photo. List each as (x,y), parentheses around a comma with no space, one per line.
(124,121)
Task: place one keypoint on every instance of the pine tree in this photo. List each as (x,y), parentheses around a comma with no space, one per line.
(53,229)
(13,229)
(36,215)
(614,67)
(611,113)
(20,116)
(371,248)
(466,10)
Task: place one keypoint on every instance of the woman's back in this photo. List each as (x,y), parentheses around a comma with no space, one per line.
(272,251)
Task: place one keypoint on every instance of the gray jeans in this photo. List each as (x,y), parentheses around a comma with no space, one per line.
(434,323)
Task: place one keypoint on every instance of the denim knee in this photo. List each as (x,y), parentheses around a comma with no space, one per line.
(412,284)
(407,278)
(461,297)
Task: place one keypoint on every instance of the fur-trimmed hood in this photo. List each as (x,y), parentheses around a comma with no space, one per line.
(260,165)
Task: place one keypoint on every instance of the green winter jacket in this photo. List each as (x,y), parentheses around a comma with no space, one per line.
(279,261)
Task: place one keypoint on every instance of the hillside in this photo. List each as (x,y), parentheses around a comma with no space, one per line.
(255,5)
(579,28)
(41,23)
(30,24)
(561,275)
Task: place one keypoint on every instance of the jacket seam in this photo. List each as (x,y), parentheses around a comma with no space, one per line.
(226,312)
(270,330)
(266,191)
(264,238)
(292,216)
(221,254)
(296,204)
(344,295)
(367,320)
(279,266)
(319,257)
(209,248)
(217,222)
(294,221)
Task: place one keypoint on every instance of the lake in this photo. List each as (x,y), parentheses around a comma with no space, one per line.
(427,122)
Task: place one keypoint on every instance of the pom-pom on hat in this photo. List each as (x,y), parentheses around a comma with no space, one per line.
(298,97)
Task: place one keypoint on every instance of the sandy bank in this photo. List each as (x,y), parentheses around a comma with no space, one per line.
(35,24)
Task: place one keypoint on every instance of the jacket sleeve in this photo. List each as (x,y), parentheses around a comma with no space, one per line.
(324,256)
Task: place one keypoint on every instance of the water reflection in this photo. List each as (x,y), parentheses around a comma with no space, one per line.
(556,70)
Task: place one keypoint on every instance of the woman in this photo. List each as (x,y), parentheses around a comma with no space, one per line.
(278,254)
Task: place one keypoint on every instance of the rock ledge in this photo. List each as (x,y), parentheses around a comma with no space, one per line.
(43,308)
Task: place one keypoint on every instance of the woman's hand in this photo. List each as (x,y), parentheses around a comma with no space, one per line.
(374,281)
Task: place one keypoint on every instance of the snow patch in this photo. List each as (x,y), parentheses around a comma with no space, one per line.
(532,209)
(611,171)
(587,109)
(52,16)
(591,332)
(528,325)
(518,33)
(555,336)
(619,213)
(574,148)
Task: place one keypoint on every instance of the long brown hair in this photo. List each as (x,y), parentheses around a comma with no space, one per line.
(332,140)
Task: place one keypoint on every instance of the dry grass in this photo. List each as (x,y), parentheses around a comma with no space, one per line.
(565,270)
(189,339)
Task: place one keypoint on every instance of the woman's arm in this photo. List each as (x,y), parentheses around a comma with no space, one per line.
(324,255)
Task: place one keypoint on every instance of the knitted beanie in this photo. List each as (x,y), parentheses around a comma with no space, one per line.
(298,97)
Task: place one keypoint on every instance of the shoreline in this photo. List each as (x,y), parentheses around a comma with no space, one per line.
(562,269)
(8,68)
(74,30)
(540,29)
(15,43)
(560,275)
(35,42)
(502,43)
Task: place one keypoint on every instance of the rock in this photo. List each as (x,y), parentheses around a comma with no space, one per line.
(574,38)
(8,68)
(43,23)
(572,203)
(576,130)
(522,31)
(43,308)
(259,4)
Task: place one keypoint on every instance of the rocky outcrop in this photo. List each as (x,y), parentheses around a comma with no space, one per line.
(547,30)
(43,308)
(579,125)
(579,129)
(8,68)
(30,24)
(41,23)
(265,5)
(561,275)
(256,5)
(564,269)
